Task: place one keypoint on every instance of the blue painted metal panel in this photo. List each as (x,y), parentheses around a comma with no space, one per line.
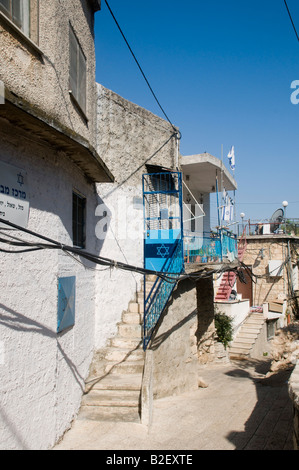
(163,242)
(66,302)
(156,301)
(158,247)
(162,197)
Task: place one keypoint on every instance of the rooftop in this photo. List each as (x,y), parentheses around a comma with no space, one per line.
(203,169)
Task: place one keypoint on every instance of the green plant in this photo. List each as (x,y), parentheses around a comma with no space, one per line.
(224,329)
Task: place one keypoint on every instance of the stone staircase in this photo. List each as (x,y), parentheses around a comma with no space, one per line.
(113,388)
(246,337)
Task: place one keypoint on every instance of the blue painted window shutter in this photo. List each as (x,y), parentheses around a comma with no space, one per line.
(66,302)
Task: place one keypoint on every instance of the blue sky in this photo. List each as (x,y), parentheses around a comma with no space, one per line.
(222,71)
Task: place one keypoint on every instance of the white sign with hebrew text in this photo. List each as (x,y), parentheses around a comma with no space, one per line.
(14,195)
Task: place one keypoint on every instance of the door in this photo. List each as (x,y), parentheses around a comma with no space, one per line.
(245,289)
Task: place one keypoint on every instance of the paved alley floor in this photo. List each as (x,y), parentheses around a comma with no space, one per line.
(241,409)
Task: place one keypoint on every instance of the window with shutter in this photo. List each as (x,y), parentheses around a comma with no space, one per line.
(77,80)
(24,14)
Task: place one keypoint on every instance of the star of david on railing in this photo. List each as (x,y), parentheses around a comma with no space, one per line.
(162,251)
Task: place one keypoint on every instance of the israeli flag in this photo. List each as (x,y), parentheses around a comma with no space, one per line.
(228,212)
(231,158)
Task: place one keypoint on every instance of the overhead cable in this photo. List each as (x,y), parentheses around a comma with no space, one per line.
(178,134)
(26,246)
(288,10)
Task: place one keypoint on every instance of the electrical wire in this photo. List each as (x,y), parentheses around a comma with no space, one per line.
(53,244)
(288,10)
(178,134)
(28,246)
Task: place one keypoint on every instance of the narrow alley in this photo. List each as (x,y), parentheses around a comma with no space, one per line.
(240,407)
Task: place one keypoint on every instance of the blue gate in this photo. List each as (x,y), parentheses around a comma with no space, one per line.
(163,242)
(162,201)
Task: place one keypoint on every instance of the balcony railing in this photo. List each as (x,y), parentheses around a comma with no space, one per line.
(290,226)
(210,247)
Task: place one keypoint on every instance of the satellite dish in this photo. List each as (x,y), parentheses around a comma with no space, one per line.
(276,220)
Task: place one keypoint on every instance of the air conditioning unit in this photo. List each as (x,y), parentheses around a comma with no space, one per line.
(275,268)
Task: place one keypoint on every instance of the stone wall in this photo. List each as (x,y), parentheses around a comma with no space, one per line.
(260,250)
(294,395)
(174,345)
(206,320)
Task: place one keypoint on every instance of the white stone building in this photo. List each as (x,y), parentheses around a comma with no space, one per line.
(48,169)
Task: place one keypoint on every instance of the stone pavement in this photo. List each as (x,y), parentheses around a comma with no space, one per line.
(242,408)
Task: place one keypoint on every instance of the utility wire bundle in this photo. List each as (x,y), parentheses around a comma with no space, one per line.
(27,246)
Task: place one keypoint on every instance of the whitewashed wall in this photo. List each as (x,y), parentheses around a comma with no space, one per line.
(128,137)
(42,373)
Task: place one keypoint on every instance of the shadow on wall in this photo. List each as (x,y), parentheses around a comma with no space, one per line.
(10,319)
(16,321)
(157,339)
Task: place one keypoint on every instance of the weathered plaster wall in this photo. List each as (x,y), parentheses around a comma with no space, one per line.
(42,373)
(237,310)
(128,138)
(267,288)
(174,345)
(206,320)
(43,79)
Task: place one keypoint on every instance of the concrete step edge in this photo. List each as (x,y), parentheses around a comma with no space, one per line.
(111,414)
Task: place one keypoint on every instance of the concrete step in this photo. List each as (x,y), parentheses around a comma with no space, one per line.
(135,307)
(128,330)
(255,321)
(252,326)
(119,398)
(236,353)
(126,367)
(132,318)
(246,337)
(112,414)
(125,343)
(243,340)
(121,354)
(114,394)
(116,382)
(242,346)
(239,356)
(140,298)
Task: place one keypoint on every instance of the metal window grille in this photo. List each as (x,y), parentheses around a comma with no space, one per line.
(79,217)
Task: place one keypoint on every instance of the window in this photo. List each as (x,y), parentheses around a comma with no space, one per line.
(24,14)
(79,218)
(77,71)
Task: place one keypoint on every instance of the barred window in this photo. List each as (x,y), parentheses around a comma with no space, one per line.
(77,71)
(24,14)
(79,218)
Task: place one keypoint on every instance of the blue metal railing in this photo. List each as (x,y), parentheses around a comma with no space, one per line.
(229,246)
(209,247)
(158,297)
